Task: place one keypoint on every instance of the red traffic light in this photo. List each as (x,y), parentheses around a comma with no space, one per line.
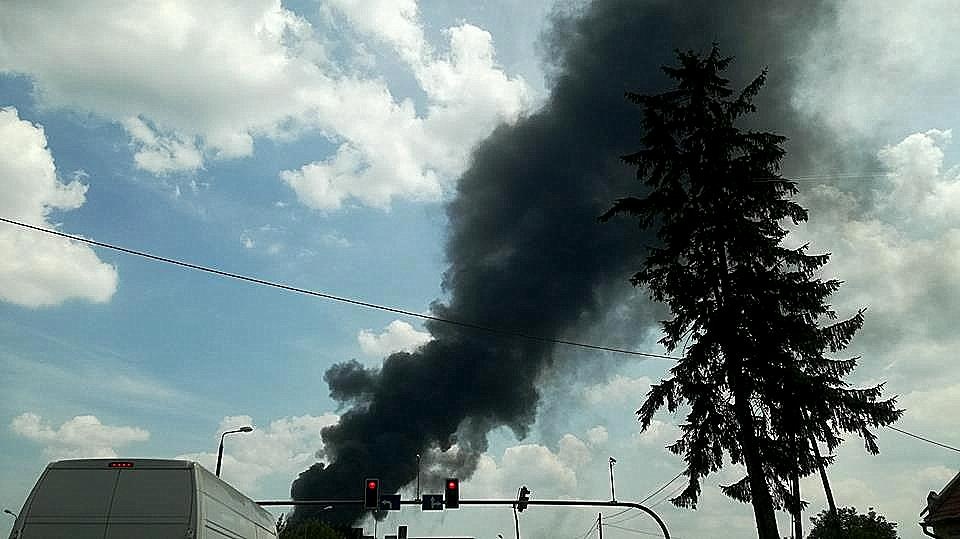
(371,493)
(451,494)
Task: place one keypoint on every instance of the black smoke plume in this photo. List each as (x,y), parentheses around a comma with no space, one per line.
(525,252)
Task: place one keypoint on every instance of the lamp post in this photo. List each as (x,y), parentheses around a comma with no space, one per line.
(11,513)
(220,451)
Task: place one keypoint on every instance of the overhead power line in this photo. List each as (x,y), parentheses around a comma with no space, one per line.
(665,485)
(369,305)
(673,493)
(255,280)
(924,439)
(845,176)
(586,533)
(641,532)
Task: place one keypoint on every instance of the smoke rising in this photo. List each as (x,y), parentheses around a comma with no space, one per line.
(524,249)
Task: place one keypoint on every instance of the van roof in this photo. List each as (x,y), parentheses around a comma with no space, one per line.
(137,463)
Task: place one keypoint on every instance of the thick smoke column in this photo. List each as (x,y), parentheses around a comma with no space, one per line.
(524,250)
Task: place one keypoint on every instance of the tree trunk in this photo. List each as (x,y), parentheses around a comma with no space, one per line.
(797,512)
(760,498)
(823,477)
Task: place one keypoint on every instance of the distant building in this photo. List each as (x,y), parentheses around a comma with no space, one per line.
(941,517)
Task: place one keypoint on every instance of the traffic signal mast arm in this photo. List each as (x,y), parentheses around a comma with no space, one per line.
(569,503)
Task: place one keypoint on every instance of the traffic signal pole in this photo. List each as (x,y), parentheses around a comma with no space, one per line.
(513,503)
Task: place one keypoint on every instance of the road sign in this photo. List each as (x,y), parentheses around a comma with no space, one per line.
(432,502)
(389,502)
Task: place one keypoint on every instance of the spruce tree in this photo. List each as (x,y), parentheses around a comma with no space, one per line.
(749,316)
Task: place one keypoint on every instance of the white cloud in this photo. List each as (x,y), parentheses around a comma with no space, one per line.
(540,469)
(161,153)
(282,449)
(206,76)
(872,61)
(389,148)
(618,390)
(573,451)
(659,433)
(192,81)
(598,435)
(397,336)
(36,269)
(928,407)
(921,188)
(900,258)
(83,436)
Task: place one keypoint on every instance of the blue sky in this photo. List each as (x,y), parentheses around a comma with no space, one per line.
(316,144)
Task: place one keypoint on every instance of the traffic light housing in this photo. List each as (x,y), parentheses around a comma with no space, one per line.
(451,493)
(371,494)
(523,496)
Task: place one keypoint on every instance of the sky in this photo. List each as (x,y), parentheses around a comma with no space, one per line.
(371,149)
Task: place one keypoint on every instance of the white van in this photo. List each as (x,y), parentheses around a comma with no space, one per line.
(138,499)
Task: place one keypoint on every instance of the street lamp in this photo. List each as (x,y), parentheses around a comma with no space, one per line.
(220,451)
(11,513)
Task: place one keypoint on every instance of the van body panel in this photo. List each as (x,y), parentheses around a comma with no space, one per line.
(148,499)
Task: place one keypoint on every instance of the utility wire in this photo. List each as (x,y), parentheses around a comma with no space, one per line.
(924,439)
(821,177)
(341,299)
(593,527)
(627,518)
(368,305)
(641,502)
(618,513)
(667,484)
(668,496)
(634,530)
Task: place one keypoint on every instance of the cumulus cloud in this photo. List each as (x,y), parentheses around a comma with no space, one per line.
(39,270)
(389,147)
(619,389)
(927,406)
(869,64)
(281,449)
(898,257)
(541,469)
(920,187)
(548,472)
(396,337)
(194,81)
(659,433)
(598,435)
(83,436)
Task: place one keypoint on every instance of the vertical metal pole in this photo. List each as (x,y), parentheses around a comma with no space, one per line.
(600,524)
(220,454)
(613,495)
(516,521)
(418,477)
